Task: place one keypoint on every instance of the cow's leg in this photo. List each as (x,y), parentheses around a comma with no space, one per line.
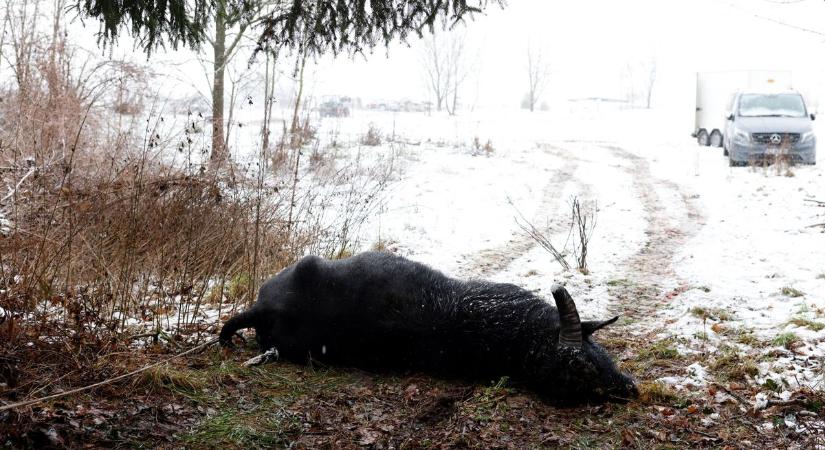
(268,356)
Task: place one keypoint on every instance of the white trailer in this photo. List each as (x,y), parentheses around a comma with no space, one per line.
(714,90)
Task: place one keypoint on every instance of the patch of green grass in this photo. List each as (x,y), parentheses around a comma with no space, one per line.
(656,392)
(663,349)
(485,403)
(233,289)
(748,338)
(816,405)
(627,320)
(792,292)
(771,385)
(741,335)
(238,287)
(618,282)
(718,314)
(807,323)
(786,340)
(249,403)
(260,428)
(171,378)
(733,366)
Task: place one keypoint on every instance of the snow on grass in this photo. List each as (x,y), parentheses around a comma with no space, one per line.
(695,376)
(451,203)
(745,272)
(748,252)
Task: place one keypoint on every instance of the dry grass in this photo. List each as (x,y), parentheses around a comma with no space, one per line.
(787,340)
(485,149)
(807,323)
(383,245)
(112,215)
(731,364)
(169,377)
(373,137)
(741,335)
(792,292)
(711,313)
(656,392)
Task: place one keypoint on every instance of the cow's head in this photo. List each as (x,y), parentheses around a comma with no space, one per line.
(585,372)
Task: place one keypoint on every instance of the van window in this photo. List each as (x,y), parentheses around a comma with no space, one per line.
(771,105)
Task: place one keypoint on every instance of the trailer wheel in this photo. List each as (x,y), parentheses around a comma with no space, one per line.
(702,138)
(715,138)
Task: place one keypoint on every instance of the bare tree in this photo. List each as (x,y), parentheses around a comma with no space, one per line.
(270,80)
(650,71)
(583,223)
(433,60)
(460,68)
(446,66)
(538,74)
(639,80)
(231,22)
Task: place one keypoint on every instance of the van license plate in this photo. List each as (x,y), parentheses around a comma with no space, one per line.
(773,150)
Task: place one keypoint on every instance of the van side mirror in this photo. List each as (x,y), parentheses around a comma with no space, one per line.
(729,116)
(813,116)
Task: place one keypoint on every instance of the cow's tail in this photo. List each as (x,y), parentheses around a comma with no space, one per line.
(245,319)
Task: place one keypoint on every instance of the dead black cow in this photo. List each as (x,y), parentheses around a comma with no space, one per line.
(381,311)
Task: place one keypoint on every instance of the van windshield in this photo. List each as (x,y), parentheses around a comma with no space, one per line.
(771,105)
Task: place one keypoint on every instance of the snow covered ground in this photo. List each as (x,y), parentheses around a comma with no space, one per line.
(684,246)
(724,249)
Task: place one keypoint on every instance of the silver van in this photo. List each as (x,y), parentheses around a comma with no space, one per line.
(760,126)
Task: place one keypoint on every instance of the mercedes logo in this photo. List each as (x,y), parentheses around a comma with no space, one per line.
(776,139)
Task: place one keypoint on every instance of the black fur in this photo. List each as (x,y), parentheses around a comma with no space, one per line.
(380,311)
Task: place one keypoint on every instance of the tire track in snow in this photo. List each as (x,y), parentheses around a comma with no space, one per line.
(650,271)
(492,260)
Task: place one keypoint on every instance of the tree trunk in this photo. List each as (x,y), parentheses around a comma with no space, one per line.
(293,129)
(455,97)
(649,94)
(269,87)
(219,154)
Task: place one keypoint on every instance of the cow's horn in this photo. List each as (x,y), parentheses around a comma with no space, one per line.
(570,334)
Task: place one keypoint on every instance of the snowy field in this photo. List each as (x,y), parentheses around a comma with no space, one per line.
(685,248)
(716,250)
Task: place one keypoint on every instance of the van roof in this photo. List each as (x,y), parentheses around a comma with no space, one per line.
(768,91)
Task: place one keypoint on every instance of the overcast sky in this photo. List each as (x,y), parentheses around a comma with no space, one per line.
(589,44)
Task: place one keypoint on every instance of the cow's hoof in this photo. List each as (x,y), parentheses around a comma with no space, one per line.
(268,356)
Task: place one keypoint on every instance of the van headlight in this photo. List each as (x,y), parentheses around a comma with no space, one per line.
(741,137)
(806,137)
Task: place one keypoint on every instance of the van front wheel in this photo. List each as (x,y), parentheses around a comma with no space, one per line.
(716,138)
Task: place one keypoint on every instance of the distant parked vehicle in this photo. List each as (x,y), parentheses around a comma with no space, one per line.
(713,95)
(762,125)
(333,108)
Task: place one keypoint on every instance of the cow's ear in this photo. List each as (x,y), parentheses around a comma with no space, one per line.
(591,326)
